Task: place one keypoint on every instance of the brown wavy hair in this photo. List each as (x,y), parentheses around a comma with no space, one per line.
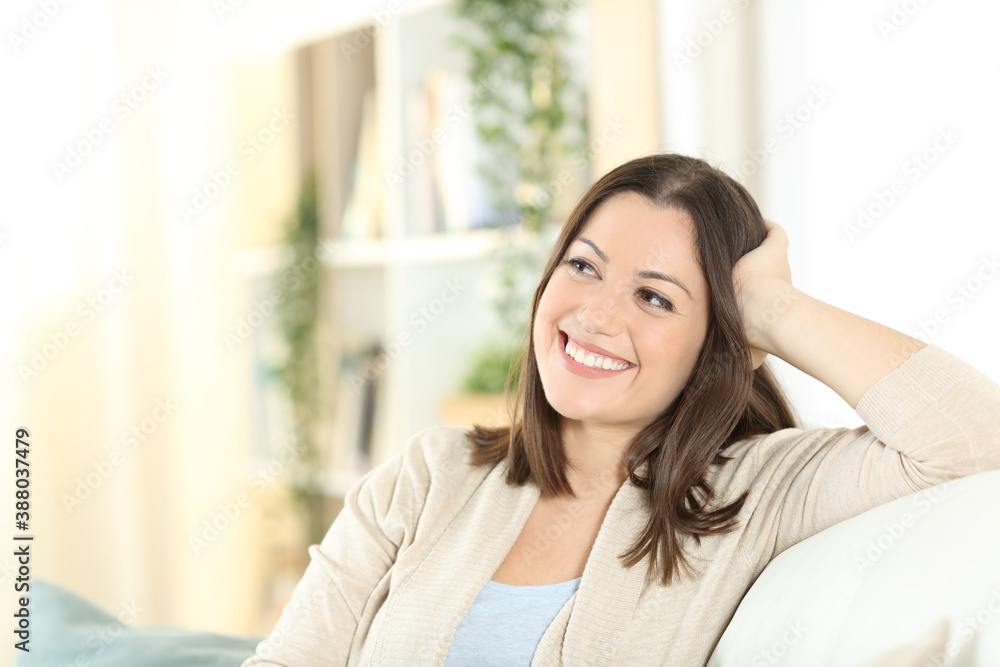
(725,399)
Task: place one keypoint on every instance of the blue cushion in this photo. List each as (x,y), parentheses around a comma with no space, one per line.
(65,629)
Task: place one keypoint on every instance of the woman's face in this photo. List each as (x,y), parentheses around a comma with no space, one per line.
(629,297)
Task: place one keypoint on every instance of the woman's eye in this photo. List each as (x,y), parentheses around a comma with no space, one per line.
(582,267)
(655,300)
(578,265)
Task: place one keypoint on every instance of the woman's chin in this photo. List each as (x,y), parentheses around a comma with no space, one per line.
(575,409)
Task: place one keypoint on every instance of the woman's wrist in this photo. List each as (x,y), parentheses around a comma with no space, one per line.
(768,304)
(844,351)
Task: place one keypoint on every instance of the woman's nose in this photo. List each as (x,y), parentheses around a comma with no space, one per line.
(601,312)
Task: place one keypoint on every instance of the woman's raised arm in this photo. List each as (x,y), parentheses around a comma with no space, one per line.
(929,417)
(844,351)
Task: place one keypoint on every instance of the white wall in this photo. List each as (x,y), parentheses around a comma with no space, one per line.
(157,336)
(888,90)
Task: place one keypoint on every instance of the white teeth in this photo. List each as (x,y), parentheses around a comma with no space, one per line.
(593,360)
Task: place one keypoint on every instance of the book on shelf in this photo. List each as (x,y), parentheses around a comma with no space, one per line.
(444,192)
(436,172)
(363,212)
(419,188)
(354,413)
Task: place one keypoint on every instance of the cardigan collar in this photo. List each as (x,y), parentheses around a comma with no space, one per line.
(608,593)
(444,585)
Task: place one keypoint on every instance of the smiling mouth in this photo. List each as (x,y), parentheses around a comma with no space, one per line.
(590,359)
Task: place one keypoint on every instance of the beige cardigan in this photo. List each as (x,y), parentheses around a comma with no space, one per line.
(421,534)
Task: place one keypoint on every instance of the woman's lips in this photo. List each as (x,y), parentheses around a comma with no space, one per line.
(592,348)
(574,366)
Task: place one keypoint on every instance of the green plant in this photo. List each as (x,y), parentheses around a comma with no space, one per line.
(533,116)
(297,372)
(528,123)
(489,369)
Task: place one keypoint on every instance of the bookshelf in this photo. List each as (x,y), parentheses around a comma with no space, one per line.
(422,249)
(409,262)
(358,64)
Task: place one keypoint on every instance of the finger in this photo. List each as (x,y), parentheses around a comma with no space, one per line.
(771,225)
(774,230)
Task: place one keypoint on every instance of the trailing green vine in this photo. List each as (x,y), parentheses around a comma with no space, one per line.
(535,117)
(297,372)
(529,122)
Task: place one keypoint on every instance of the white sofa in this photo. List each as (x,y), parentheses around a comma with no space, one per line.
(912,583)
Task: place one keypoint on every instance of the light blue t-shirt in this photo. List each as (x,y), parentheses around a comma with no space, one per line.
(505,623)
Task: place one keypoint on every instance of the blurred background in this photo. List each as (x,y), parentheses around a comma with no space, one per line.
(249,248)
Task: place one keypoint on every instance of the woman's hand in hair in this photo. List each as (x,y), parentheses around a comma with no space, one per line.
(763,281)
(844,351)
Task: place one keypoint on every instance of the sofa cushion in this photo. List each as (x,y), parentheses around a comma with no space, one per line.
(913,582)
(68,630)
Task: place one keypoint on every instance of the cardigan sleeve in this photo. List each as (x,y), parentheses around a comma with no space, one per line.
(932,419)
(318,625)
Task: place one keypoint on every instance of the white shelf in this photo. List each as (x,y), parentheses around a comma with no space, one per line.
(413,250)
(376,253)
(426,249)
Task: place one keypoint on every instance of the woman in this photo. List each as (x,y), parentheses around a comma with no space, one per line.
(654,467)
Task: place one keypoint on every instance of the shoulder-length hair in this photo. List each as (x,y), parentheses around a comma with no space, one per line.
(725,400)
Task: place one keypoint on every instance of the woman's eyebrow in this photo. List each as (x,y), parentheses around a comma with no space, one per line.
(604,258)
(649,275)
